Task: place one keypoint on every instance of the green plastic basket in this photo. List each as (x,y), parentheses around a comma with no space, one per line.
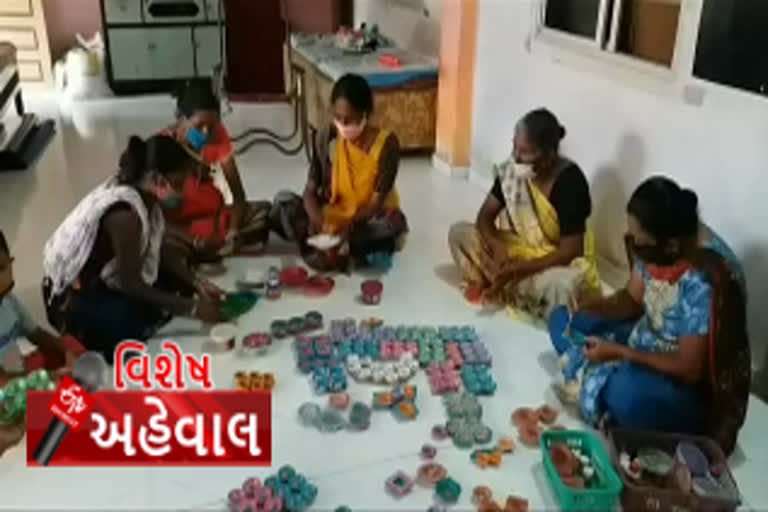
(604,495)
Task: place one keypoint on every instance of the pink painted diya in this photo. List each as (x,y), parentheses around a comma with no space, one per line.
(319,286)
(371,292)
(294,277)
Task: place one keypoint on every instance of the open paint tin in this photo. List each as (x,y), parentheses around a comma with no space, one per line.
(371,292)
(223,337)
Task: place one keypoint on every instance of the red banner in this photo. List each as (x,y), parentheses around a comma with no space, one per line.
(141,428)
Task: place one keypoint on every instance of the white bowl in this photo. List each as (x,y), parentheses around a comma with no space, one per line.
(224,335)
(324,241)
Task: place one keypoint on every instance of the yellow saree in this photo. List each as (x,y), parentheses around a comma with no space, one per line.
(530,228)
(353,182)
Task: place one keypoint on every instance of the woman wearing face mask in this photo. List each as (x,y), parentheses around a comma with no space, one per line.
(351,190)
(205,226)
(102,263)
(678,358)
(530,245)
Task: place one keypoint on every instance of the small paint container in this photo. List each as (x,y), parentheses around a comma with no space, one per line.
(371,291)
(256,343)
(274,290)
(223,337)
(279,329)
(339,400)
(296,325)
(313,320)
(319,286)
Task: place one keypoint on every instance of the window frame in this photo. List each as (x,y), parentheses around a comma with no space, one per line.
(600,55)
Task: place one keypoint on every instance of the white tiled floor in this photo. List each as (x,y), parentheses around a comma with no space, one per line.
(348,468)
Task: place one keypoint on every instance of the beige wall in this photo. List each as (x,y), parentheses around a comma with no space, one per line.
(408,26)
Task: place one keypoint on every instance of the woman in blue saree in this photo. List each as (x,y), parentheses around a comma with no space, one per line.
(669,352)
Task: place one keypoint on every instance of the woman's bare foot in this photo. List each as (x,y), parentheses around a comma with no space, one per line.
(11,435)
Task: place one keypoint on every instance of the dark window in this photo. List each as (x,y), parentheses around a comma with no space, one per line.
(732,46)
(578,17)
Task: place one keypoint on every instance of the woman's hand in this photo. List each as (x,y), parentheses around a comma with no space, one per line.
(69,363)
(601,351)
(208,247)
(504,275)
(208,309)
(208,289)
(70,358)
(11,435)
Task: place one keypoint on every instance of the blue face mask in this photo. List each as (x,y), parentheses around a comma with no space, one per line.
(196,139)
(172,201)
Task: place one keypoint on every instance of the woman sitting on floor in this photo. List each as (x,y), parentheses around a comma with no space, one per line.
(679,358)
(102,263)
(205,227)
(530,245)
(351,190)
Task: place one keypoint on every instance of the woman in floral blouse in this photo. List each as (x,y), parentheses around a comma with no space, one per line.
(668,352)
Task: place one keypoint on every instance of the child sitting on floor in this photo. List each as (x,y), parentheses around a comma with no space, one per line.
(53,353)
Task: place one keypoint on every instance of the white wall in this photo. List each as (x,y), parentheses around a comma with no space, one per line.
(405,22)
(620,134)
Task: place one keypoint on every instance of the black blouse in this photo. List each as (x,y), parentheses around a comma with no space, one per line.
(570,198)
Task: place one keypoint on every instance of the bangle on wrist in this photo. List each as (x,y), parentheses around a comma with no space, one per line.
(193,311)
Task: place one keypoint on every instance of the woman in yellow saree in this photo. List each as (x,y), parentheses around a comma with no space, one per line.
(530,246)
(350,190)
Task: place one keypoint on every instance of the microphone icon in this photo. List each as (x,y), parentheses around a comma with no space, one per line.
(88,376)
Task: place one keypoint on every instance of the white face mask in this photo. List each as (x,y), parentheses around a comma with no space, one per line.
(350,131)
(523,170)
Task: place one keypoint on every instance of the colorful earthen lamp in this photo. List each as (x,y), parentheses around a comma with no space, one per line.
(256,343)
(313,320)
(294,277)
(279,329)
(448,490)
(547,414)
(516,504)
(399,484)
(524,416)
(319,286)
(481,494)
(296,325)
(431,473)
(530,434)
(371,291)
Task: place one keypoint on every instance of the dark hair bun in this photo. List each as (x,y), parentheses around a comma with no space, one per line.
(543,129)
(689,201)
(664,209)
(133,161)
